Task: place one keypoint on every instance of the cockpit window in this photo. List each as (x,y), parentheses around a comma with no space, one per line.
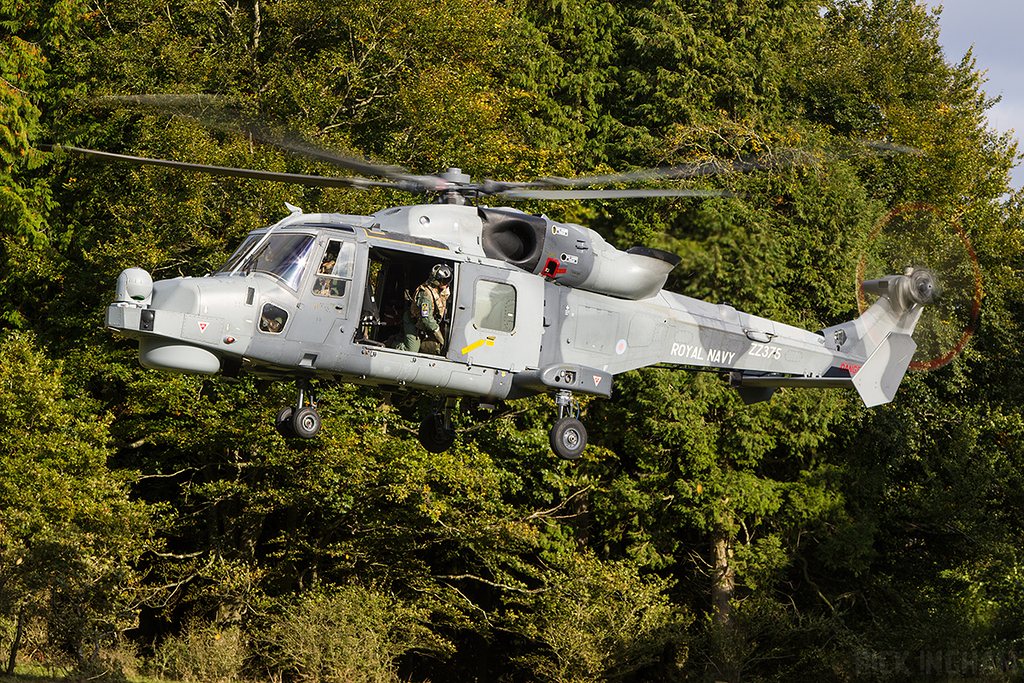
(273,318)
(239,254)
(335,269)
(494,306)
(282,255)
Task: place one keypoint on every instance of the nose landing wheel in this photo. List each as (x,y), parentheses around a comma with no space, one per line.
(568,437)
(302,421)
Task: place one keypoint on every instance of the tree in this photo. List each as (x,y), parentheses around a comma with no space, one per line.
(28,80)
(622,83)
(69,535)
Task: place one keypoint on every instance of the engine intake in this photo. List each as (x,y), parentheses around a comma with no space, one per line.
(573,255)
(514,237)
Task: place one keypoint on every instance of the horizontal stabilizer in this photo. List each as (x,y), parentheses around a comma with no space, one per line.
(757,388)
(880,376)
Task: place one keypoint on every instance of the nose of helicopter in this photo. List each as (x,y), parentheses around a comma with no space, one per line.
(183,324)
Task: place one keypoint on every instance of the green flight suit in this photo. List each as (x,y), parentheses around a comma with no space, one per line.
(420,320)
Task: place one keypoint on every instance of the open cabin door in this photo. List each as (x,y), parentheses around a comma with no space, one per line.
(498,318)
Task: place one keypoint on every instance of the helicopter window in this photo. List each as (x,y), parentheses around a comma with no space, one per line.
(273,318)
(281,255)
(335,269)
(494,306)
(239,254)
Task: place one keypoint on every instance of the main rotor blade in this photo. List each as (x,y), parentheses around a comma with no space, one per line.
(690,170)
(294,178)
(881,147)
(351,163)
(637,176)
(187,106)
(613,194)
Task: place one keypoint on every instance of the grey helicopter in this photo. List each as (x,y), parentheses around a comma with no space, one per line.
(520,305)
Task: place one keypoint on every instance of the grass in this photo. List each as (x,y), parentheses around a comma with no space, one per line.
(28,673)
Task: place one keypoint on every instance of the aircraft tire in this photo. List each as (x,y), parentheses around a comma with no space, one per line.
(433,436)
(568,438)
(283,422)
(306,422)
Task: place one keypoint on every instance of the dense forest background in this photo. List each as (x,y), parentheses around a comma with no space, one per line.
(153,522)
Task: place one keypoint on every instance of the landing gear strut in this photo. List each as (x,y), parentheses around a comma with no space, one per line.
(300,420)
(568,437)
(436,433)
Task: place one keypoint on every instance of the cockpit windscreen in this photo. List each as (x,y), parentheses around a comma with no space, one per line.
(282,255)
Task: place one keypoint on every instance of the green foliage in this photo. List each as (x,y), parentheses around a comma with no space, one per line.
(99,669)
(29,80)
(203,652)
(348,634)
(600,620)
(617,82)
(69,535)
(828,529)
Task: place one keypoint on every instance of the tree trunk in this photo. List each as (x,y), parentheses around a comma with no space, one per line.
(16,643)
(723,580)
(723,589)
(581,520)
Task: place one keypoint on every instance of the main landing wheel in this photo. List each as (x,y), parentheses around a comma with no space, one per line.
(435,436)
(283,422)
(568,438)
(301,420)
(305,422)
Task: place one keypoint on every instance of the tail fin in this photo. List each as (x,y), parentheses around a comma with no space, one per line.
(871,353)
(882,333)
(901,300)
(880,376)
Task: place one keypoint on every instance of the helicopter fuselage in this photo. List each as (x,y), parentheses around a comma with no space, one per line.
(535,306)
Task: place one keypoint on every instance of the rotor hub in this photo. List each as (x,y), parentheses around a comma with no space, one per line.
(455,176)
(916,287)
(922,287)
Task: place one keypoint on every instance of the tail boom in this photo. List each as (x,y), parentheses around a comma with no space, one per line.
(870,354)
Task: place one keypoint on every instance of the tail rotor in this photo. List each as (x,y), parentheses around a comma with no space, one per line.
(941,273)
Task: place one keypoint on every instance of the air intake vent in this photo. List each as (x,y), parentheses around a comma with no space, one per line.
(513,236)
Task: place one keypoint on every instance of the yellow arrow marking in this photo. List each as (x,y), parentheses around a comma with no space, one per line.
(477,344)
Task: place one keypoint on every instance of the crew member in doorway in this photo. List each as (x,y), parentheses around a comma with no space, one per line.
(421,330)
